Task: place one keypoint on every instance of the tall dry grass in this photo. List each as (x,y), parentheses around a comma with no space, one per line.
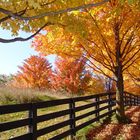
(12,95)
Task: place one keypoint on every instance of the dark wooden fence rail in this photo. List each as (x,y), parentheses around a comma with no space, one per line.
(131,99)
(96,101)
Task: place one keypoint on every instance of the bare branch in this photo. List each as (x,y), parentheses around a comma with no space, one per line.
(51,13)
(24,39)
(101,51)
(129,50)
(98,69)
(129,41)
(102,63)
(123,36)
(127,47)
(131,63)
(131,58)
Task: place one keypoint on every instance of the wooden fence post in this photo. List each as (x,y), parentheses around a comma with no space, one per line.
(33,125)
(130,99)
(109,103)
(72,118)
(125,99)
(97,107)
(135,100)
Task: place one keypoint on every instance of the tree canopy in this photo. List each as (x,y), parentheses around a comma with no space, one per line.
(34,15)
(108,37)
(95,33)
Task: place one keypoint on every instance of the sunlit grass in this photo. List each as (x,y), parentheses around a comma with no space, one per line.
(23,130)
(22,115)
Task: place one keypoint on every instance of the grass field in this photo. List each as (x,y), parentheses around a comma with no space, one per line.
(35,96)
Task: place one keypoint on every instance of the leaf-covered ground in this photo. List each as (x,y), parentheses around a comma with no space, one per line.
(114,131)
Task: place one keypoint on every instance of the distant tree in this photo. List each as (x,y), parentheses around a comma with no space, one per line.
(35,73)
(71,75)
(5,79)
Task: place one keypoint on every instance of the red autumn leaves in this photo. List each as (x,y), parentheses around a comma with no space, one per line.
(34,73)
(69,74)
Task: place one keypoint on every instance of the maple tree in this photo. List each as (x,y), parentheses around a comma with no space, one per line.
(71,75)
(34,73)
(33,15)
(107,36)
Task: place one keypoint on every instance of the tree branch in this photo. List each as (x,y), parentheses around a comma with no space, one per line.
(130,64)
(129,41)
(20,13)
(98,69)
(101,52)
(131,58)
(129,50)
(106,46)
(109,67)
(123,36)
(24,39)
(51,13)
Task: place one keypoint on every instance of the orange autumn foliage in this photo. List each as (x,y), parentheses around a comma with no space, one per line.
(34,73)
(71,76)
(132,79)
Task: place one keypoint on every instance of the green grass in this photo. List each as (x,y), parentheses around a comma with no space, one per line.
(43,97)
(16,116)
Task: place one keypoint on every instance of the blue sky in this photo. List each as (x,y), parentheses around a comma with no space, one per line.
(13,54)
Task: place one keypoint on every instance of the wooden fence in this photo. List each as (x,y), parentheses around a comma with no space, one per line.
(96,101)
(131,99)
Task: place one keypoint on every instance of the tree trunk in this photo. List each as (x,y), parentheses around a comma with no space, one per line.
(120,112)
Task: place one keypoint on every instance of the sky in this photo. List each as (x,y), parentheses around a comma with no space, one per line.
(12,55)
